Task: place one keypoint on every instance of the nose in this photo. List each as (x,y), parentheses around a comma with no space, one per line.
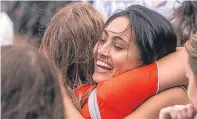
(104,50)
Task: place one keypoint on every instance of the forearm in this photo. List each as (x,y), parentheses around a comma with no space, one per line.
(172,70)
(129,89)
(71,111)
(150,109)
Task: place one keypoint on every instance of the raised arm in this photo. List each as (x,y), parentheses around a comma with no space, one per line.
(150,109)
(125,92)
(172,70)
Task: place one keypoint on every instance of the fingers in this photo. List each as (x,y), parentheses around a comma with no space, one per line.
(177,112)
(190,111)
(180,112)
(165,113)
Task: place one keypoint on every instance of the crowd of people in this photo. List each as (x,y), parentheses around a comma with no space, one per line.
(86,67)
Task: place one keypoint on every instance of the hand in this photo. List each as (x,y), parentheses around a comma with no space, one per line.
(178,112)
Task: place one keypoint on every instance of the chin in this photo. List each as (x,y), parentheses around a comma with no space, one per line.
(98,78)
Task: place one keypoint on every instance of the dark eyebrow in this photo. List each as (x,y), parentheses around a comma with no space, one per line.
(119,38)
(115,37)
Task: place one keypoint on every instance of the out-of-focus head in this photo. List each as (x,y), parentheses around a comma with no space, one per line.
(191,68)
(185,21)
(69,39)
(29,85)
(131,38)
(22,39)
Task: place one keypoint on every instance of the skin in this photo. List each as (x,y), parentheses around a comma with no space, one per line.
(184,111)
(150,108)
(171,69)
(178,112)
(117,49)
(192,87)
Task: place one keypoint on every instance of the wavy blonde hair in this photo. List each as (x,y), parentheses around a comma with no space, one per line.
(69,40)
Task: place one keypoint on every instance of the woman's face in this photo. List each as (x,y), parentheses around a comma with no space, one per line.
(116,51)
(192,87)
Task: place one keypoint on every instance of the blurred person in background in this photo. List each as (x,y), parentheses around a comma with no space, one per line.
(29,85)
(30,18)
(184,20)
(21,39)
(164,7)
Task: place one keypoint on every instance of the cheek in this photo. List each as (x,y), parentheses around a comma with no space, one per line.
(124,62)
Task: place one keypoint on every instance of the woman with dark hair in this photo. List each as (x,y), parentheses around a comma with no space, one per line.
(132,39)
(185,21)
(29,83)
(55,47)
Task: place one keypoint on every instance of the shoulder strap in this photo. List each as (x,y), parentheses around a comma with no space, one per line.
(93,106)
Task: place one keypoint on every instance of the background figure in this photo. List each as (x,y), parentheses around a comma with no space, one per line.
(21,39)
(184,20)
(29,85)
(30,18)
(164,7)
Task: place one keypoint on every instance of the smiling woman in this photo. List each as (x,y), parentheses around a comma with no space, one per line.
(131,39)
(116,50)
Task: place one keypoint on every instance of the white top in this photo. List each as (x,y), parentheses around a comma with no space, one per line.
(6,30)
(164,7)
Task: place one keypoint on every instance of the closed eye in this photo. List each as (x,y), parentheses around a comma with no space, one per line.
(118,47)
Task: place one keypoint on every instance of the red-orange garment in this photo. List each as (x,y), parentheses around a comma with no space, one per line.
(122,94)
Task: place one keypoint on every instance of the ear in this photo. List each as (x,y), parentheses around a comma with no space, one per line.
(43,52)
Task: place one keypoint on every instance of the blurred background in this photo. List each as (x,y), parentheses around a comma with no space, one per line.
(27,19)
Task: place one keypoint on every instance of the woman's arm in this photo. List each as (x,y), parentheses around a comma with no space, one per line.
(172,70)
(125,92)
(70,110)
(150,109)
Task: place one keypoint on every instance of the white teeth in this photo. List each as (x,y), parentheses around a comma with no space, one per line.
(103,64)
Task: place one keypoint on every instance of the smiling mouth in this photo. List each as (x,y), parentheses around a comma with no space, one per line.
(103,66)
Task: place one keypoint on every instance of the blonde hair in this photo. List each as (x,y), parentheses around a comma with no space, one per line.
(69,40)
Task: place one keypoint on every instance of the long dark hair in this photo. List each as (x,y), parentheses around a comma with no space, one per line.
(29,85)
(185,20)
(154,35)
